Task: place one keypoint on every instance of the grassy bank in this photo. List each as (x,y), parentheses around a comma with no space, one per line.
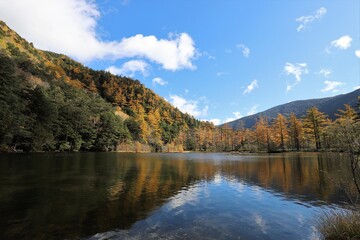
(340,224)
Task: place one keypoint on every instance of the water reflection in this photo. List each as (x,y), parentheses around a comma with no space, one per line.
(67,196)
(243,216)
(309,177)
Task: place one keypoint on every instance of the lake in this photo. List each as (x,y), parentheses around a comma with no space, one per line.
(168,196)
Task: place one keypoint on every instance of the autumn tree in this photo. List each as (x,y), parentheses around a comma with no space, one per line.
(346,133)
(228,136)
(154,138)
(280,132)
(247,140)
(295,132)
(238,139)
(262,133)
(315,123)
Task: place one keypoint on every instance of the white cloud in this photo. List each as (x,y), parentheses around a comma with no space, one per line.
(159,81)
(218,74)
(215,121)
(208,55)
(245,50)
(290,86)
(130,67)
(253,110)
(296,70)
(172,54)
(229,120)
(357,87)
(237,114)
(251,87)
(325,72)
(305,20)
(343,43)
(69,27)
(327,50)
(189,106)
(331,86)
(357,53)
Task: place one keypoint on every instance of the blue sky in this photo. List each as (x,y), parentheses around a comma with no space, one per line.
(217,60)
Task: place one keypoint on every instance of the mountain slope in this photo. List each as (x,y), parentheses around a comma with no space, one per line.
(147,117)
(328,105)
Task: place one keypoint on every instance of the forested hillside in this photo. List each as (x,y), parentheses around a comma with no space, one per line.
(51,102)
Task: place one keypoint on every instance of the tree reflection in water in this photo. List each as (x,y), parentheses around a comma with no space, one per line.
(61,196)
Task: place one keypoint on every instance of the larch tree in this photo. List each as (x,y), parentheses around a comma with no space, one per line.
(295,132)
(315,123)
(262,133)
(346,114)
(346,133)
(280,131)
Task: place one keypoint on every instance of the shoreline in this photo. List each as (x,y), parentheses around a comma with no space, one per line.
(132,151)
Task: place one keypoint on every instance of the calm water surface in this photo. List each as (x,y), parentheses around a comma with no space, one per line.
(168,196)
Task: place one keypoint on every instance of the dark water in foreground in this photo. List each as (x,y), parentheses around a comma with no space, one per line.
(168,196)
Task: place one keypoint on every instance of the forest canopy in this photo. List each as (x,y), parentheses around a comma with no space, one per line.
(50,102)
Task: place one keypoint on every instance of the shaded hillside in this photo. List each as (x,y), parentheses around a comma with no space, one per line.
(33,80)
(329,106)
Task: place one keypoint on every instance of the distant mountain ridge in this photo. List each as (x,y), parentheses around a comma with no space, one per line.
(329,106)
